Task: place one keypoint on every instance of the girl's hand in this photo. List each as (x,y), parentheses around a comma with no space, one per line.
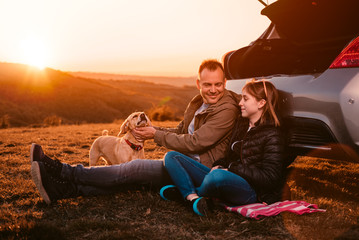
(219,167)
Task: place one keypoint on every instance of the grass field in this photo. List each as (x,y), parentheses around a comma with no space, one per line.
(141,213)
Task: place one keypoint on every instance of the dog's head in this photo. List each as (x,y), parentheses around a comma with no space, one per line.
(136,119)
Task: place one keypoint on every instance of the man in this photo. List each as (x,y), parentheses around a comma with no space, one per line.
(208,120)
(203,134)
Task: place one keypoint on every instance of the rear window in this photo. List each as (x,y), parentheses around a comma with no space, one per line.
(308,21)
(304,38)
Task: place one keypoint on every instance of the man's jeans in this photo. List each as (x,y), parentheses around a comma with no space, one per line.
(92,181)
(191,176)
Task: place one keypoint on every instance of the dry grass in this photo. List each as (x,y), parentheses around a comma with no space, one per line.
(141,214)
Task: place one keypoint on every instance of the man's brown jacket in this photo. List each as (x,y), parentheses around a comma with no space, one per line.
(212,129)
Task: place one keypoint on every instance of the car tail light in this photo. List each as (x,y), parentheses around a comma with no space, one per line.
(349,57)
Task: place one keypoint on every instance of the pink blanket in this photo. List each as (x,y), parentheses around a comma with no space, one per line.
(259,210)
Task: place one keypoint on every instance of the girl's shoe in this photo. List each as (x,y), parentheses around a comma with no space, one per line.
(170,192)
(200,206)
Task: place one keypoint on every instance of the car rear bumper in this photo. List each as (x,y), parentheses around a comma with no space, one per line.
(320,110)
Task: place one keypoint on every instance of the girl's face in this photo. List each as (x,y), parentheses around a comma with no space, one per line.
(251,108)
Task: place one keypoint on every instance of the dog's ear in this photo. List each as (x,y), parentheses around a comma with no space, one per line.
(124,127)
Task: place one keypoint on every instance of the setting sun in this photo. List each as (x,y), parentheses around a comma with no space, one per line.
(34,52)
(127,37)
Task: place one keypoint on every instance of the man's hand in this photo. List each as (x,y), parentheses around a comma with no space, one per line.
(143,133)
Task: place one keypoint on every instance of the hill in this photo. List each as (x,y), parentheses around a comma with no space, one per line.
(29,96)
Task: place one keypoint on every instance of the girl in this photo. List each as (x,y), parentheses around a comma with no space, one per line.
(253,169)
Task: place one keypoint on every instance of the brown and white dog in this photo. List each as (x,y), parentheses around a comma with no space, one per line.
(116,150)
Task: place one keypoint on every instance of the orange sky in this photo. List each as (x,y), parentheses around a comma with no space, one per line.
(156,37)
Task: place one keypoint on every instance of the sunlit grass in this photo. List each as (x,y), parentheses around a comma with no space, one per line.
(141,214)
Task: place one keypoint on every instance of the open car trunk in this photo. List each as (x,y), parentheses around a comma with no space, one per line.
(303,38)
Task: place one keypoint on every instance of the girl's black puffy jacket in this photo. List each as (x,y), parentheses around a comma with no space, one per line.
(258,156)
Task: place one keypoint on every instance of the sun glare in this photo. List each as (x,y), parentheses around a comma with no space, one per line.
(33,52)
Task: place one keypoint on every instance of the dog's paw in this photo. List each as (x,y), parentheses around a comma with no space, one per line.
(104,133)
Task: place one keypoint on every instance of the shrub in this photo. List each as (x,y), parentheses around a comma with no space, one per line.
(162,113)
(5,121)
(53,120)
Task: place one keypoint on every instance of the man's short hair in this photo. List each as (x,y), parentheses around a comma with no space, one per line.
(210,64)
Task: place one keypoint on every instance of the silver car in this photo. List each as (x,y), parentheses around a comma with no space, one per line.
(310,52)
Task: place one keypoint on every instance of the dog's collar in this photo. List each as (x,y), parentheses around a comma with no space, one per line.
(134,146)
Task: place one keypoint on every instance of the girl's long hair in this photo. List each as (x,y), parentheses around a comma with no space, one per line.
(267,91)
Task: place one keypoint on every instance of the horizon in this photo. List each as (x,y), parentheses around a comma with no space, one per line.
(92,72)
(134,74)
(146,38)
(38,78)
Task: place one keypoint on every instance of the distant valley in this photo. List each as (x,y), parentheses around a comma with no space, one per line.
(29,97)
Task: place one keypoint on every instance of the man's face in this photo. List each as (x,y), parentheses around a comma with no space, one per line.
(211,85)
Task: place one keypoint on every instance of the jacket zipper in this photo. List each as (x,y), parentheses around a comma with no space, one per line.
(242,141)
